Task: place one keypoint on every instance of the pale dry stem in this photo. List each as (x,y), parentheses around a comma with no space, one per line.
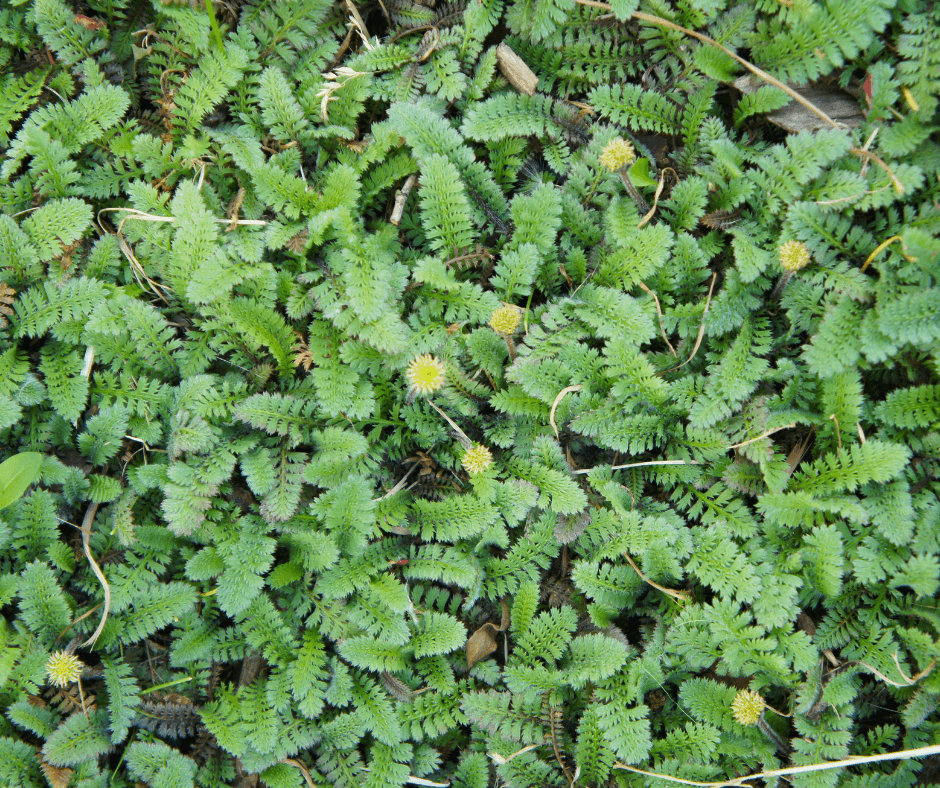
(701,328)
(86,544)
(555,404)
(746,781)
(659,314)
(682,596)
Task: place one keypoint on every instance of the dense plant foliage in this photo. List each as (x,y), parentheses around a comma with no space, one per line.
(396,423)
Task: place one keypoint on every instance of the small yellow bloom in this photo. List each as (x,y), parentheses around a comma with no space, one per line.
(505,320)
(477,458)
(747,707)
(794,255)
(425,374)
(617,154)
(63,668)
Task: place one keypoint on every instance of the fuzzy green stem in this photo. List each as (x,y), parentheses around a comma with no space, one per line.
(781,285)
(779,744)
(642,204)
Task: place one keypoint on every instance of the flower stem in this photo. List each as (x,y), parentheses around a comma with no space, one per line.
(779,744)
(781,285)
(642,204)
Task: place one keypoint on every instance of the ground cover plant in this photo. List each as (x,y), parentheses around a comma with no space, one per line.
(485,393)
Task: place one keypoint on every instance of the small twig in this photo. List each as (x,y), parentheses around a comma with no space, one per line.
(81,694)
(401,198)
(385,11)
(150,217)
(125,247)
(558,399)
(899,187)
(659,313)
(907,681)
(867,146)
(920,752)
(838,430)
(495,756)
(159,687)
(516,70)
(652,462)
(682,462)
(86,544)
(914,679)
(88,363)
(303,769)
(659,191)
(641,464)
(701,328)
(398,486)
(759,437)
(412,780)
(82,617)
(880,248)
(855,196)
(360,26)
(461,435)
(682,596)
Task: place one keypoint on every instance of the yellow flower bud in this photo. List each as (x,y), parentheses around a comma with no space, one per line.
(477,458)
(617,154)
(505,320)
(63,668)
(794,255)
(425,374)
(747,707)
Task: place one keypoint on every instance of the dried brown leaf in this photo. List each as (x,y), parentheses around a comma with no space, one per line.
(481,644)
(56,776)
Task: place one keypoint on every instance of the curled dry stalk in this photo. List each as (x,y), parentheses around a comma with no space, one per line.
(701,328)
(86,544)
(681,596)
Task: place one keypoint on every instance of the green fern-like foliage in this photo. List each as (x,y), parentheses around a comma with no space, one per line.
(399,423)
(791,46)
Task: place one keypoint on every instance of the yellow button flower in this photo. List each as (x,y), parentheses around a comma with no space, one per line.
(63,668)
(425,374)
(617,154)
(477,458)
(794,255)
(747,707)
(505,320)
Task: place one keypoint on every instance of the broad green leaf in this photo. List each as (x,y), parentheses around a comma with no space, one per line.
(640,173)
(16,474)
